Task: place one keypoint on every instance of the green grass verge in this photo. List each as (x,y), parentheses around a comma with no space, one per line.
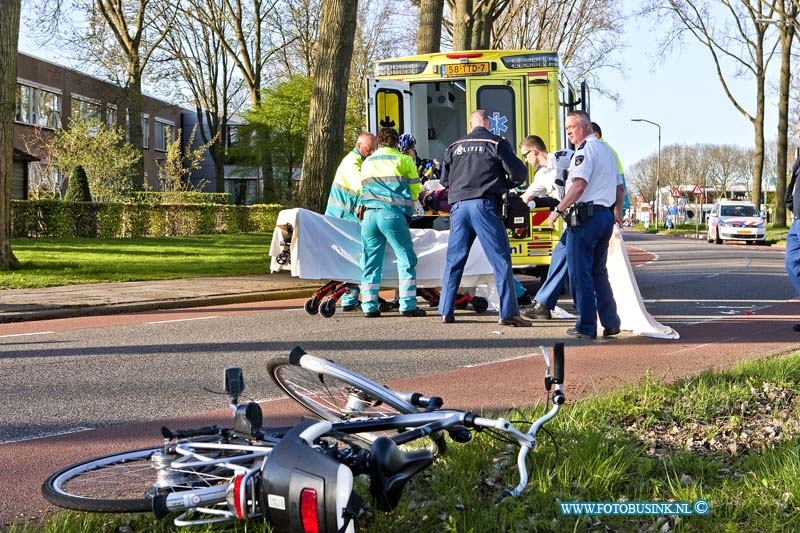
(47,262)
(730,438)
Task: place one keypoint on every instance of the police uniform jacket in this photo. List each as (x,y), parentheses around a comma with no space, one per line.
(476,166)
(793,191)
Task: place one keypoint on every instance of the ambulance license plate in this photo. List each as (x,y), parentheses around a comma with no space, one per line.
(465,69)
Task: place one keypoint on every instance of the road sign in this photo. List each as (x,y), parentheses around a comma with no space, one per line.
(697,189)
(676,193)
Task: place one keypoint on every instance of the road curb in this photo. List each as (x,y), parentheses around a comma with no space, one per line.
(135,307)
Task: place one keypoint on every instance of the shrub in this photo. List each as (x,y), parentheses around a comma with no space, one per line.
(78,186)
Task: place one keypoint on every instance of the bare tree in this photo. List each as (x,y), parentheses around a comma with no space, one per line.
(429,34)
(121,34)
(586,34)
(473,21)
(206,70)
(786,12)
(301,30)
(328,101)
(738,36)
(9,34)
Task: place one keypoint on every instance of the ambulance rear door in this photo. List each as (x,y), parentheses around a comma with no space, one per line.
(389,105)
(504,102)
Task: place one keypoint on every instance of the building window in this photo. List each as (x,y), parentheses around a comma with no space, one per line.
(145,131)
(164,132)
(233,135)
(85,109)
(38,106)
(111,116)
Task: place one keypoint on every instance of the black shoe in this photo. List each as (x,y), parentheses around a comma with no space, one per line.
(414,312)
(573,332)
(524,299)
(372,314)
(348,308)
(610,332)
(538,311)
(796,327)
(448,319)
(515,321)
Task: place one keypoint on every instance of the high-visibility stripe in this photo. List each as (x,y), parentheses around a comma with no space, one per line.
(370,286)
(383,179)
(405,293)
(337,203)
(387,199)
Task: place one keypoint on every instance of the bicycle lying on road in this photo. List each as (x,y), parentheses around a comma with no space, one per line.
(299,478)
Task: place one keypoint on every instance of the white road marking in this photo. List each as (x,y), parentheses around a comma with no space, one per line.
(26,334)
(527,356)
(47,435)
(183,319)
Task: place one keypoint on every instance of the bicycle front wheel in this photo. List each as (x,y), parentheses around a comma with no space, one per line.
(119,483)
(333,392)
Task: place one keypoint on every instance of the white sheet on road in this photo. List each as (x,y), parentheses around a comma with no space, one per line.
(327,248)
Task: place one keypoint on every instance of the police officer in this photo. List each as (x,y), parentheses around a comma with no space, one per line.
(389,187)
(594,185)
(479,169)
(546,181)
(345,191)
(792,200)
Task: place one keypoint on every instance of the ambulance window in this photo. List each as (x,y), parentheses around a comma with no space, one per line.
(499,105)
(389,109)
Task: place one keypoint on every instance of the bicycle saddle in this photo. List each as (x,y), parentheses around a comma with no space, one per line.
(390,470)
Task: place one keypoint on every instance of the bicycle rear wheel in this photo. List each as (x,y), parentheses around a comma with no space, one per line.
(119,483)
(333,392)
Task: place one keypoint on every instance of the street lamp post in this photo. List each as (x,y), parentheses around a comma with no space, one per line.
(658,168)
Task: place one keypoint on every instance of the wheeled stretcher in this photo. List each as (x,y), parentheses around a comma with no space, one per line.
(313,246)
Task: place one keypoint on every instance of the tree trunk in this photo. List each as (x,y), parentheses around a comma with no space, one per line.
(429,34)
(9,33)
(328,102)
(462,25)
(787,36)
(134,104)
(758,124)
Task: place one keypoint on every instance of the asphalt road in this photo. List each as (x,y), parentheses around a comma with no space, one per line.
(128,374)
(84,373)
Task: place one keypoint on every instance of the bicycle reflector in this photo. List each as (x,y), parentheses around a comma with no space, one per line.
(308,511)
(236,496)
(304,490)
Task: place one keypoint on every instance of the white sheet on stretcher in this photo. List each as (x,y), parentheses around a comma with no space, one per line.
(324,248)
(330,248)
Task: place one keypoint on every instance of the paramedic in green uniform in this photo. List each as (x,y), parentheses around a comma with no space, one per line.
(389,186)
(344,195)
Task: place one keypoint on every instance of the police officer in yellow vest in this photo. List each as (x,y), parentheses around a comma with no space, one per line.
(389,186)
(344,195)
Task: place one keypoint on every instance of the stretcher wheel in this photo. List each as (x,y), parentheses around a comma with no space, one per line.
(480,304)
(328,308)
(311,306)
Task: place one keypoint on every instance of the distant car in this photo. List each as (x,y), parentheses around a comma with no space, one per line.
(735,221)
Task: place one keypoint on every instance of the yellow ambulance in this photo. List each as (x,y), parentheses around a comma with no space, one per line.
(525,92)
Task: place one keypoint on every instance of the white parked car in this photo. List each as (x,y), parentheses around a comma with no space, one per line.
(735,221)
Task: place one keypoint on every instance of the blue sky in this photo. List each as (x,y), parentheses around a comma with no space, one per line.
(683,94)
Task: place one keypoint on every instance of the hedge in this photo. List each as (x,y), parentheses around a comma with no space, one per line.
(57,218)
(180,197)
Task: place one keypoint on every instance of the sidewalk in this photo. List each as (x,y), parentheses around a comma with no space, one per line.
(18,305)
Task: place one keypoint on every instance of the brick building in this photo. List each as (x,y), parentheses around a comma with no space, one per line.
(49,94)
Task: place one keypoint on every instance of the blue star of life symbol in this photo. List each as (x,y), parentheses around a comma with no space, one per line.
(498,123)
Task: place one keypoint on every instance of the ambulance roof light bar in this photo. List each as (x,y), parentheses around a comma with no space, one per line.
(396,68)
(536,60)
